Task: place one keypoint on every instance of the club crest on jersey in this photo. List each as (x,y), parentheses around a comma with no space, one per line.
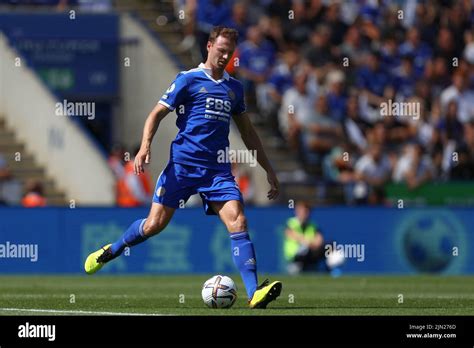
(160,191)
(231,94)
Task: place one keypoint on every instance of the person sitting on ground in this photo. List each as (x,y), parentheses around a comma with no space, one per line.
(304,243)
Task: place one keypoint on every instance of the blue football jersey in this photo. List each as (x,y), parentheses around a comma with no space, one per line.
(204,108)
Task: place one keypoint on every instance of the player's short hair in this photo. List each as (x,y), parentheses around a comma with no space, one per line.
(228,33)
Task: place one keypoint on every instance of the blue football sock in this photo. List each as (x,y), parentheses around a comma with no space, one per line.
(132,236)
(244,258)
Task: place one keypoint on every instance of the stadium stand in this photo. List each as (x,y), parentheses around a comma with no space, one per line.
(359,57)
(23,168)
(352,60)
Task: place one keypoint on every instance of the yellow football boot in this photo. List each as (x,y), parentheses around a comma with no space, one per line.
(97,259)
(265,293)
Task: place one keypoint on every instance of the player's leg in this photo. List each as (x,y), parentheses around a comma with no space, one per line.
(139,231)
(171,188)
(232,215)
(243,252)
(142,229)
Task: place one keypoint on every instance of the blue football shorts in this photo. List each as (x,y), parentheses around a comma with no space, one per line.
(178,182)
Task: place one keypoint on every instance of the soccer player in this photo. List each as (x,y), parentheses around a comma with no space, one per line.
(205,98)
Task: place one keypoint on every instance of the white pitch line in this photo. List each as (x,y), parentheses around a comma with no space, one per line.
(76,312)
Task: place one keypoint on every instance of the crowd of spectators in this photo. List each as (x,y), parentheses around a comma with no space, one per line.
(319,73)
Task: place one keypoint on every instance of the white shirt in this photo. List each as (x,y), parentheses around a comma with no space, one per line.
(367,166)
(301,106)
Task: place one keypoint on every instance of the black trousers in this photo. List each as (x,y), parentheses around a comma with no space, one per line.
(310,258)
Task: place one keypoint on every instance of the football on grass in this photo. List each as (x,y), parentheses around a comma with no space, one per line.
(219,292)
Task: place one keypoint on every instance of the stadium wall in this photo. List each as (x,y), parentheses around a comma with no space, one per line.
(144,81)
(376,240)
(55,141)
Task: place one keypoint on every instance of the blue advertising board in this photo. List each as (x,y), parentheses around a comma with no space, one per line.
(375,240)
(76,57)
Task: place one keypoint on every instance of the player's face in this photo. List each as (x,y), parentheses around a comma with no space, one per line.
(302,212)
(220,52)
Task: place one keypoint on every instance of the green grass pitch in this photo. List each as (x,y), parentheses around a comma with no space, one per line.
(181,295)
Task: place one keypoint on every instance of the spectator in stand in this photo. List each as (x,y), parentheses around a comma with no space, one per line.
(318,52)
(239,18)
(297,28)
(378,134)
(460,92)
(425,132)
(351,46)
(354,127)
(423,91)
(391,27)
(332,18)
(413,168)
(277,11)
(336,95)
(456,20)
(469,138)
(405,78)
(373,80)
(257,57)
(280,81)
(426,18)
(368,21)
(210,13)
(372,172)
(446,47)
(389,53)
(338,167)
(463,168)
(398,130)
(296,109)
(449,126)
(134,190)
(420,50)
(453,91)
(468,52)
(437,75)
(320,132)
(34,197)
(272,31)
(188,21)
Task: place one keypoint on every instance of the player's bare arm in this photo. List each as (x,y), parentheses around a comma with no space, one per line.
(152,122)
(252,142)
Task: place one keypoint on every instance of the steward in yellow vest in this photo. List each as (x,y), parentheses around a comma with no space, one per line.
(304,243)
